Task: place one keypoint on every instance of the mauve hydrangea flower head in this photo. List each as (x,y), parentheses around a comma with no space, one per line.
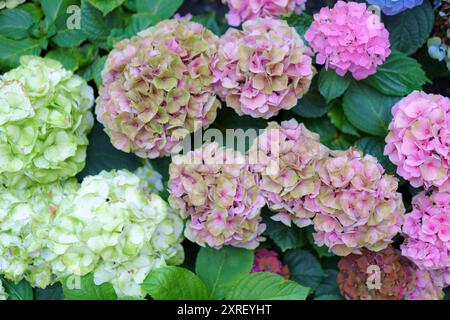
(263,68)
(427,231)
(419,140)
(392,7)
(358,205)
(243,10)
(285,157)
(396,275)
(158,88)
(428,285)
(349,38)
(268,261)
(216,190)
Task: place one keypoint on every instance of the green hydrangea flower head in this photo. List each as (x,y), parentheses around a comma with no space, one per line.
(150,178)
(115,230)
(26,216)
(44,121)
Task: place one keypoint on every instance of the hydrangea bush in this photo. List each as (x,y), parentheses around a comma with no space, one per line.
(44,121)
(307,205)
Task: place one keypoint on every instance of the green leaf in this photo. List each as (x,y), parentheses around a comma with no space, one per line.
(96,26)
(301,22)
(329,285)
(174,283)
(66,56)
(12,50)
(304,268)
(98,65)
(101,155)
(340,121)
(209,21)
(56,11)
(329,297)
(139,22)
(284,237)
(367,109)
(15,23)
(161,8)
(18,291)
(410,29)
(375,147)
(33,10)
(53,292)
(323,127)
(321,251)
(312,104)
(398,75)
(68,38)
(106,6)
(84,288)
(267,286)
(222,269)
(332,86)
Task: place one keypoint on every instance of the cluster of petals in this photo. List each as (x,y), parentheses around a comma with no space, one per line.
(349,38)
(215,188)
(383,275)
(428,285)
(267,261)
(243,10)
(427,231)
(263,68)
(114,229)
(392,7)
(358,205)
(158,88)
(285,157)
(45,117)
(418,142)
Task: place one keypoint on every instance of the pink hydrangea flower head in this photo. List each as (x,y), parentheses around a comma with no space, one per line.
(158,88)
(285,157)
(419,140)
(427,231)
(358,205)
(263,68)
(268,261)
(428,285)
(243,10)
(216,190)
(396,275)
(349,38)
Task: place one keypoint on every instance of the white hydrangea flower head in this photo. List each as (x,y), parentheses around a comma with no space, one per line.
(115,230)
(26,216)
(3,294)
(151,179)
(44,121)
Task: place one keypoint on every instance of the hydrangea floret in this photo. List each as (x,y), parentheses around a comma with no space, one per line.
(428,285)
(393,7)
(418,140)
(215,188)
(44,121)
(396,275)
(263,68)
(243,10)
(349,38)
(158,88)
(427,231)
(3,293)
(112,229)
(358,205)
(151,180)
(26,217)
(285,157)
(267,261)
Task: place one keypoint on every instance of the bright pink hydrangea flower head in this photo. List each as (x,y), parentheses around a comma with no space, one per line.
(419,140)
(285,157)
(158,88)
(427,231)
(349,38)
(243,10)
(268,261)
(216,190)
(428,285)
(358,205)
(262,69)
